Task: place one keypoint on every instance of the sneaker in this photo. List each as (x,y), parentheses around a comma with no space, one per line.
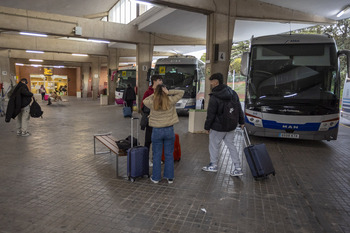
(170,181)
(19,132)
(210,168)
(154,181)
(236,172)
(25,134)
(150,163)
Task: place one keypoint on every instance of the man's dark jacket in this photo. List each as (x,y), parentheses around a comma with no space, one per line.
(219,95)
(129,94)
(20,98)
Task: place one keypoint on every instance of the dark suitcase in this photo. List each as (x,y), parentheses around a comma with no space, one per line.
(258,159)
(137,158)
(177,149)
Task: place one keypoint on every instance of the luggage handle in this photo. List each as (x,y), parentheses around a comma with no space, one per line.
(246,137)
(132,130)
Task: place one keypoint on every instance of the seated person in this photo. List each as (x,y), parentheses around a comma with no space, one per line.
(54,97)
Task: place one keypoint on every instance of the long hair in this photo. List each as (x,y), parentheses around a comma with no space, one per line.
(161,100)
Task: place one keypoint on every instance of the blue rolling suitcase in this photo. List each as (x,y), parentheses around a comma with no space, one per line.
(258,159)
(137,158)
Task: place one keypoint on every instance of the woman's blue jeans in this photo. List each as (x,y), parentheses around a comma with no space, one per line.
(163,136)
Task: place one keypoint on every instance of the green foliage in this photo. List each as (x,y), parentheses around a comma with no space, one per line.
(235,62)
(203,57)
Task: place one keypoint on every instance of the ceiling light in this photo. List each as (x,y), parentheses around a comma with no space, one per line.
(32,34)
(19,64)
(99,41)
(33,51)
(36,65)
(346,8)
(80,55)
(58,66)
(36,60)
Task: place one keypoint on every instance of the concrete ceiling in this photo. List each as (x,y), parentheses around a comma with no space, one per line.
(178,22)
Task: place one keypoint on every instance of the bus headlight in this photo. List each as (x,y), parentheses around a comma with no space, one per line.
(325,125)
(256,121)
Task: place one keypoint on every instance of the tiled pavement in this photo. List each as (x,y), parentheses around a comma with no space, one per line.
(52,182)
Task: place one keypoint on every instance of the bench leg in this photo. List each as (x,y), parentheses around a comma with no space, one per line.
(101,152)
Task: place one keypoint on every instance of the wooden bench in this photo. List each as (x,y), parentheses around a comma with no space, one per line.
(108,141)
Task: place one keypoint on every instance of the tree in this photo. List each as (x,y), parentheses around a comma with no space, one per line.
(235,61)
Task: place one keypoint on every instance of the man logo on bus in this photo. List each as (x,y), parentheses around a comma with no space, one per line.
(290,126)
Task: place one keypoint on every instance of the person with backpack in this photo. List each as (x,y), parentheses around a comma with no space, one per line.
(224,113)
(42,91)
(129,96)
(19,106)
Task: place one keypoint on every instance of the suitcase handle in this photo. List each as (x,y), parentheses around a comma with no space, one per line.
(246,137)
(132,130)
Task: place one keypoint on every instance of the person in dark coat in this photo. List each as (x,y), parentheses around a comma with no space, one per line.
(19,106)
(129,96)
(218,128)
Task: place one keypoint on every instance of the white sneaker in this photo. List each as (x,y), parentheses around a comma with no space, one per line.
(210,168)
(25,134)
(154,181)
(236,173)
(19,132)
(170,181)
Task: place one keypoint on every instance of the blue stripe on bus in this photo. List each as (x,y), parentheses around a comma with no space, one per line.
(191,106)
(346,110)
(298,127)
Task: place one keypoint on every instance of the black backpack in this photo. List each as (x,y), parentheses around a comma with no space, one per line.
(35,110)
(229,116)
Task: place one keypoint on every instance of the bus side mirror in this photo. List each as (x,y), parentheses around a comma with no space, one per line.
(347,54)
(149,74)
(195,75)
(244,64)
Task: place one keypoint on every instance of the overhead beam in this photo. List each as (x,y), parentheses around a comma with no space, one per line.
(49,57)
(244,9)
(52,24)
(51,45)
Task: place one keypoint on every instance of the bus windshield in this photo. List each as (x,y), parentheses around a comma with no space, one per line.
(293,74)
(179,77)
(126,77)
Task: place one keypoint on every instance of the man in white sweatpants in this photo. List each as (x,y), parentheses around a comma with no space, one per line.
(224,113)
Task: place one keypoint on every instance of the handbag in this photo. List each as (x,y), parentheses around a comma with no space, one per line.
(126,111)
(144,121)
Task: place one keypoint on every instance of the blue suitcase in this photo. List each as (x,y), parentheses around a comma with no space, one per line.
(258,159)
(137,158)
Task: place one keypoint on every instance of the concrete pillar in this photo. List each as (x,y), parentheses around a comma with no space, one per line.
(95,75)
(219,43)
(85,78)
(5,69)
(78,81)
(113,62)
(144,54)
